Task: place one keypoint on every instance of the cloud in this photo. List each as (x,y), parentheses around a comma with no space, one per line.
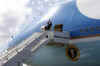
(42,7)
(12,15)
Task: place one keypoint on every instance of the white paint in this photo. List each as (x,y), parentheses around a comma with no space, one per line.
(89,8)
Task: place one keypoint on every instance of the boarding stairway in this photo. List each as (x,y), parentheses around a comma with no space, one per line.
(16,55)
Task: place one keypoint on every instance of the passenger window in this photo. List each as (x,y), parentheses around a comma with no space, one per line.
(97,28)
(86,29)
(91,29)
(81,30)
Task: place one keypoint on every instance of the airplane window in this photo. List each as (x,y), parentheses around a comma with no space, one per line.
(91,29)
(81,30)
(97,28)
(86,29)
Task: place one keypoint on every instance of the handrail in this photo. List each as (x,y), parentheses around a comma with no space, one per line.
(13,51)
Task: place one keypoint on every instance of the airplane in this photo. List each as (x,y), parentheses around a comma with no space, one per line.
(82,25)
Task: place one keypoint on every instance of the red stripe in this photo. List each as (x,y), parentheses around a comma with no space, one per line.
(80,37)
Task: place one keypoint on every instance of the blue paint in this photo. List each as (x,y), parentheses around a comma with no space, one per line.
(73,21)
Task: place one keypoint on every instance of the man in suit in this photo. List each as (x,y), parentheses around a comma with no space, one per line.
(49,25)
